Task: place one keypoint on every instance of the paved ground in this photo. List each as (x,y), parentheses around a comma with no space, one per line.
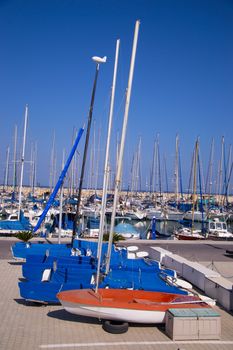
(27,327)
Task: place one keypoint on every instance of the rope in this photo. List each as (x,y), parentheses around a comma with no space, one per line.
(214,268)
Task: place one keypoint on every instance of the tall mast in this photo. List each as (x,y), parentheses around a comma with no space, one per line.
(165,172)
(137,185)
(7,168)
(22,158)
(98,60)
(34,169)
(72,166)
(220,169)
(152,180)
(61,200)
(209,180)
(97,161)
(229,162)
(122,145)
(14,182)
(195,180)
(177,169)
(106,165)
(158,167)
(52,160)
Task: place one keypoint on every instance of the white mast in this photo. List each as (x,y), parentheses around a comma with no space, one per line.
(177,170)
(22,159)
(7,168)
(106,165)
(52,164)
(97,160)
(122,145)
(61,201)
(14,159)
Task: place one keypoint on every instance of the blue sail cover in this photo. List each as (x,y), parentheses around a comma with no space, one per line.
(22,224)
(60,181)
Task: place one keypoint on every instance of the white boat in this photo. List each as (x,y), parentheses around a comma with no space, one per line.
(173,214)
(195,216)
(156,213)
(218,230)
(135,214)
(188,234)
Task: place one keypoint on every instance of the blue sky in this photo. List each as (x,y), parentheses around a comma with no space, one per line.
(183,79)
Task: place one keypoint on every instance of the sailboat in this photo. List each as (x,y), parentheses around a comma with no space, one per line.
(17,221)
(186,233)
(126,305)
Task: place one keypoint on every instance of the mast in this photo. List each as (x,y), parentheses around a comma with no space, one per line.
(72,165)
(194,181)
(177,170)
(61,201)
(229,163)
(106,166)
(98,60)
(152,179)
(209,180)
(60,180)
(138,185)
(22,159)
(97,160)
(180,172)
(158,166)
(200,185)
(122,145)
(221,170)
(7,168)
(14,161)
(165,172)
(52,163)
(34,169)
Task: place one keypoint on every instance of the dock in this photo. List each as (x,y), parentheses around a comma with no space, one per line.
(25,325)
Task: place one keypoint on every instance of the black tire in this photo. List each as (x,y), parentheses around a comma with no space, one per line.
(115,327)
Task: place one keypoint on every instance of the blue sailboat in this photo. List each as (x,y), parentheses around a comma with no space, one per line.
(10,227)
(45,278)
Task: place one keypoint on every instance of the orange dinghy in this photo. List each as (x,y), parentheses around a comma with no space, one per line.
(126,305)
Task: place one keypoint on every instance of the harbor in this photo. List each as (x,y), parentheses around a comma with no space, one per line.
(51,327)
(119,236)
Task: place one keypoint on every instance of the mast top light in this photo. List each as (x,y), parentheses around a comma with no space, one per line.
(99,59)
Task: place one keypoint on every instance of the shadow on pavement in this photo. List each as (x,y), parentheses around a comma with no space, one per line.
(66,316)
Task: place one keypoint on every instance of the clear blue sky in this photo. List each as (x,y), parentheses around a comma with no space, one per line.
(183,80)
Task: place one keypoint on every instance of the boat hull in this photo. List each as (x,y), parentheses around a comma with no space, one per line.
(116,314)
(188,237)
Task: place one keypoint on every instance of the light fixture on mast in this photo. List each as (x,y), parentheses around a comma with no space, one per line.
(99,59)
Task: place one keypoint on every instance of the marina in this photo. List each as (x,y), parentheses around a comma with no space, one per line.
(129,243)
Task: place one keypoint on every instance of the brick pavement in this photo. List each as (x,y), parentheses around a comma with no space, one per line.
(25,326)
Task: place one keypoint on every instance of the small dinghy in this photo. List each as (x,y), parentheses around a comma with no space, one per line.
(137,306)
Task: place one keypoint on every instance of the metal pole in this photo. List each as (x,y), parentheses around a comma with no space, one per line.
(61,202)
(7,168)
(122,145)
(77,215)
(106,167)
(22,159)
(14,160)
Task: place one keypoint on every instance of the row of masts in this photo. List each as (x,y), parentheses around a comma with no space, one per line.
(158,177)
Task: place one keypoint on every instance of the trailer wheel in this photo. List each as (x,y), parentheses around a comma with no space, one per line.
(115,327)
